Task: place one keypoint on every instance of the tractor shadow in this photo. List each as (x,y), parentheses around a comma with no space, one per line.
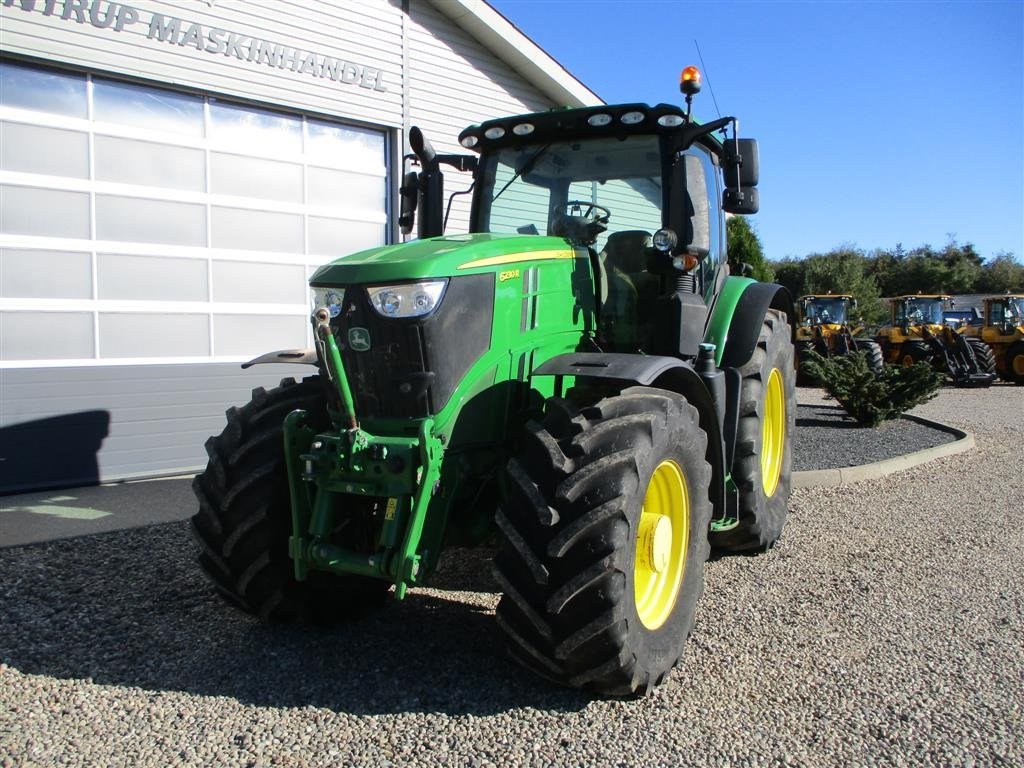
(131,608)
(831,416)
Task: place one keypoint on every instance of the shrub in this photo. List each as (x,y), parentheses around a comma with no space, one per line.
(870,397)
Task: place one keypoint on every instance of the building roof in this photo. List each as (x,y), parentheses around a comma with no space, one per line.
(518,51)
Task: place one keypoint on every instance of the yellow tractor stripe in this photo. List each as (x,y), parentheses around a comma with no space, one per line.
(513,258)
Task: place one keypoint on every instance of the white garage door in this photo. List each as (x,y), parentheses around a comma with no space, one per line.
(146,227)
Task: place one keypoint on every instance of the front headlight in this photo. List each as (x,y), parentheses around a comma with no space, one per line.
(330,298)
(407,299)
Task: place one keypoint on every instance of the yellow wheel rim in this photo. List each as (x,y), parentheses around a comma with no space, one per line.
(773,433)
(661,542)
(1018,365)
(908,360)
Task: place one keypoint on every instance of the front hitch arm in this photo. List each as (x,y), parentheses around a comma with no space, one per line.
(335,368)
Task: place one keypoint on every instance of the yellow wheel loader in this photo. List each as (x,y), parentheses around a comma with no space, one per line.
(917,333)
(1002,331)
(824,328)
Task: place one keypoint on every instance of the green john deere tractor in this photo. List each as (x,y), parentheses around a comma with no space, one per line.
(579,377)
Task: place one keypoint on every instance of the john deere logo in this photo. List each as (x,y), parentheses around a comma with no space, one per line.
(359,339)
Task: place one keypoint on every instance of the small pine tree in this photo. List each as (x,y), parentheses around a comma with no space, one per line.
(744,247)
(870,397)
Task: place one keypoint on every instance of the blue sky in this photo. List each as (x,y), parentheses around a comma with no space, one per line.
(878,122)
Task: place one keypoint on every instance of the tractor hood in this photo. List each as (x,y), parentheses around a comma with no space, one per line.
(445,256)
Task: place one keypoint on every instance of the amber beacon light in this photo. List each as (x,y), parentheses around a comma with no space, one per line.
(689,81)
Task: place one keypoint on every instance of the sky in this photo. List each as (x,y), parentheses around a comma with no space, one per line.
(877,122)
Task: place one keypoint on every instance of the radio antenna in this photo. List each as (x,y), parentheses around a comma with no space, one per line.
(705,71)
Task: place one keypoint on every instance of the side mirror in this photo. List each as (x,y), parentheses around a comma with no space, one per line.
(741,163)
(743,201)
(408,195)
(855,304)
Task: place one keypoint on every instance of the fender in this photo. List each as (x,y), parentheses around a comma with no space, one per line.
(735,324)
(668,373)
(737,315)
(300,356)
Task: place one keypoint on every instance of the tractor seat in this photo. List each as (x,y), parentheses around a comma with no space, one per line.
(627,288)
(627,251)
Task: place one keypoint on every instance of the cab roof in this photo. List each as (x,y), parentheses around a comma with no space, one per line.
(614,120)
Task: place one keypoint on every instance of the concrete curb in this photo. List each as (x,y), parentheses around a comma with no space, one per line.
(821,478)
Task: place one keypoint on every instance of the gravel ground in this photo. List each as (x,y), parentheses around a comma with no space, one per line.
(826,438)
(884,629)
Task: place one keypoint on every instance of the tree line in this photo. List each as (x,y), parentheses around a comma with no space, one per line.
(956,269)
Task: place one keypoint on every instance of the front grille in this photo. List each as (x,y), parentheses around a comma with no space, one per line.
(412,366)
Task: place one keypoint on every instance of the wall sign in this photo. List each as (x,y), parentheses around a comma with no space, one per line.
(162,29)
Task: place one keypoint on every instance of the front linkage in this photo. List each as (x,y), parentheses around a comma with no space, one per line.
(958,356)
(405,471)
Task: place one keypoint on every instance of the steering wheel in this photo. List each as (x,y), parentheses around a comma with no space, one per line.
(592,212)
(583,228)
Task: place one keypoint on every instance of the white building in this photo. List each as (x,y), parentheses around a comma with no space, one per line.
(172,171)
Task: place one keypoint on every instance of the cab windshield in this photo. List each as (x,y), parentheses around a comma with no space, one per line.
(924,311)
(524,188)
(1015,311)
(817,311)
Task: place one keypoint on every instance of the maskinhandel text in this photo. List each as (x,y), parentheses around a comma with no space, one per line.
(212,40)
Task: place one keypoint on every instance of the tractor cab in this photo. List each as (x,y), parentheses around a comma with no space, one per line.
(637,191)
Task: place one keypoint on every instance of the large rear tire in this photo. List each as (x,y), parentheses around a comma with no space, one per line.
(244,517)
(603,541)
(764,441)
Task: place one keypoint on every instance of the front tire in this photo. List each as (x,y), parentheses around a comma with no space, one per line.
(983,356)
(244,517)
(914,352)
(1013,363)
(603,539)
(764,441)
(874,350)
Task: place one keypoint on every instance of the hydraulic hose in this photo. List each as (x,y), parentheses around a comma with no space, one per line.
(336,367)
